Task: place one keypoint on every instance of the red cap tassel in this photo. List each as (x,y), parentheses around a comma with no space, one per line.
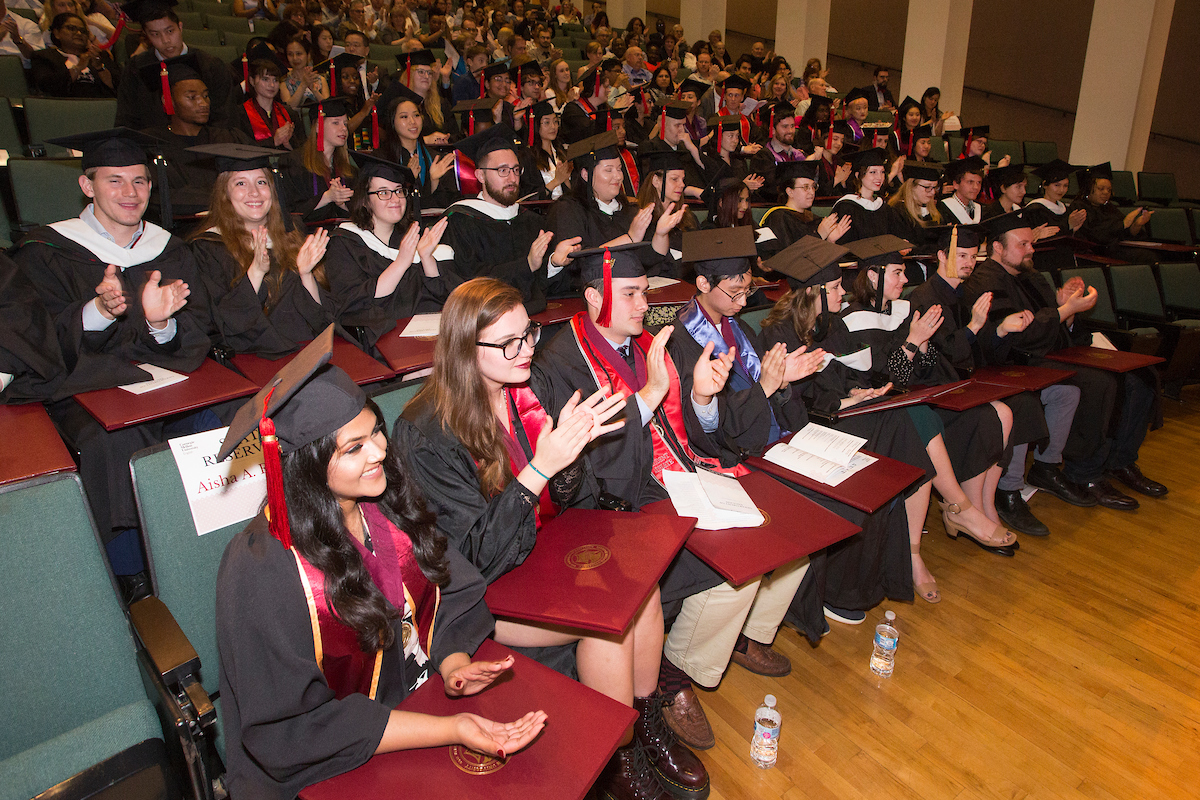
(332,80)
(966,153)
(320,129)
(470,123)
(608,121)
(116,34)
(408,74)
(374,128)
(829,142)
(529,121)
(604,318)
(912,137)
(168,103)
(276,498)
(245,68)
(482,86)
(662,130)
(771,120)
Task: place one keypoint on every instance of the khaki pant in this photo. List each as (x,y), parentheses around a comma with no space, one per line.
(703,636)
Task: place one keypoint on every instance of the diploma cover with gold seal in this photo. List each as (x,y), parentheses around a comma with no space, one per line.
(1107,360)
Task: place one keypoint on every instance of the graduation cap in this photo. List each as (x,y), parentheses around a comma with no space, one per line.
(237,157)
(604,118)
(922,171)
(868,157)
(852,95)
(405,93)
(495,138)
(736,81)
(788,172)
(774,111)
(518,74)
(258,50)
(339,63)
(905,104)
(606,263)
(877,252)
(843,127)
(673,109)
(305,401)
(475,111)
(729,122)
(162,75)
(1099,171)
(922,132)
(695,86)
(1007,176)
(143,11)
(494,70)
(952,238)
(121,147)
(372,166)
(661,160)
(1055,171)
(720,253)
(955,170)
(811,261)
(1003,223)
(417,58)
(976,132)
(318,110)
(586,153)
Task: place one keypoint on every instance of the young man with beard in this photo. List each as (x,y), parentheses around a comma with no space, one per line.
(780,148)
(671,121)
(493,236)
(1090,455)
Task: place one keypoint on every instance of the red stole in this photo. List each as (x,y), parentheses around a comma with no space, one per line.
(393,568)
(587,106)
(630,168)
(668,431)
(258,123)
(532,417)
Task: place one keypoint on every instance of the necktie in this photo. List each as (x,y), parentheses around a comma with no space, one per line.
(627,353)
(970,209)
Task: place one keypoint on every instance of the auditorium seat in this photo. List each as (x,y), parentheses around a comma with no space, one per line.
(1170,225)
(77,722)
(755,317)
(27,13)
(12,77)
(1137,301)
(10,135)
(192,20)
(392,402)
(226,53)
(1124,190)
(50,117)
(46,189)
(1103,317)
(203,38)
(938,150)
(1005,147)
(1180,287)
(1037,153)
(213,9)
(1157,187)
(237,40)
(230,24)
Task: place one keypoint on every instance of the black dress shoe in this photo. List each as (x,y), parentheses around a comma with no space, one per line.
(1109,497)
(1015,514)
(1132,477)
(1049,478)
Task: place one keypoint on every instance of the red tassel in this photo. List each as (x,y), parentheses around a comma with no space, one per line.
(408,74)
(320,129)
(829,143)
(116,34)
(529,121)
(374,128)
(604,318)
(276,497)
(966,151)
(245,68)
(482,86)
(662,127)
(470,123)
(332,80)
(608,120)
(771,120)
(168,103)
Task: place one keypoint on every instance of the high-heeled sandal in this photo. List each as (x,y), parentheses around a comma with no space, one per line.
(926,591)
(954,528)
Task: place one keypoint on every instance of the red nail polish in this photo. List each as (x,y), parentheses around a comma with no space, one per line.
(501,753)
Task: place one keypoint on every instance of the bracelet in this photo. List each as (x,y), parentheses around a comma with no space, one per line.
(539,472)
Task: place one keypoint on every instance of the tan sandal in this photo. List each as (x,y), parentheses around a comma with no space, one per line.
(926,591)
(953,528)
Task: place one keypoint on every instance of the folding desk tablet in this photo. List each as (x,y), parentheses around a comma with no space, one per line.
(32,446)
(1029,379)
(1101,358)
(406,354)
(965,395)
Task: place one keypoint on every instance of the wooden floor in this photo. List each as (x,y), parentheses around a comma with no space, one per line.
(1071,670)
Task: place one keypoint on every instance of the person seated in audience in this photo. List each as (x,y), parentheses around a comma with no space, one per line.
(469,86)
(662,190)
(19,36)
(397,603)
(670,133)
(138,104)
(528,81)
(495,469)
(323,45)
(492,235)
(833,178)
(400,141)
(255,9)
(549,153)
(317,178)
(917,215)
(975,145)
(380,266)
(812,123)
(263,116)
(355,21)
(869,215)
(121,291)
(71,65)
(560,88)
(1099,448)
(781,146)
(362,117)
(931,111)
(264,279)
(608,119)
(579,116)
(1105,223)
(397,27)
(302,84)
(728,205)
(1009,187)
(374,79)
(903,140)
(99,26)
(419,73)
(1049,209)
(793,219)
(726,155)
(966,176)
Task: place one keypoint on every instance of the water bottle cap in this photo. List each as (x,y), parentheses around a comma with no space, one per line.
(769,701)
(890,616)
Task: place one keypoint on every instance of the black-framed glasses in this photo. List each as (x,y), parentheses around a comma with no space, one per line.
(511,348)
(504,171)
(386,194)
(74,29)
(742,295)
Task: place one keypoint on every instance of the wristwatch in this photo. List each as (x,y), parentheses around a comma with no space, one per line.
(912,348)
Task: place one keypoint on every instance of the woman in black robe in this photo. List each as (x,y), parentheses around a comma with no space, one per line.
(70,66)
(266,287)
(380,266)
(369,584)
(914,206)
(1105,224)
(472,437)
(262,116)
(317,178)
(869,214)
(401,142)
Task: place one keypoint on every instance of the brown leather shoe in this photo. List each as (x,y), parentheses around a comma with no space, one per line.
(762,659)
(683,712)
(628,776)
(679,770)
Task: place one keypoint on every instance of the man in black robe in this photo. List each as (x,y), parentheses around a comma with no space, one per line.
(120,291)
(492,235)
(966,175)
(1091,455)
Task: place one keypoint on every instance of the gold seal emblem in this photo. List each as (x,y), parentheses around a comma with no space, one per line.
(587,556)
(1013,373)
(406,633)
(474,763)
(959,391)
(1102,356)
(552,305)
(766,518)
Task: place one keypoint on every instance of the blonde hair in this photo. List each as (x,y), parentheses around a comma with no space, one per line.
(905,201)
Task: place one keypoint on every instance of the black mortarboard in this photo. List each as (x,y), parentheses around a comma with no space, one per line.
(922,132)
(543,109)
(497,137)
(809,261)
(787,172)
(586,152)
(843,127)
(736,81)
(475,111)
(959,167)
(695,86)
(1004,223)
(905,104)
(116,147)
(417,58)
(606,263)
(1055,171)
(922,171)
(852,95)
(405,93)
(969,236)
(605,117)
(870,157)
(675,109)
(816,103)
(261,51)
(236,157)
(305,401)
(976,132)
(769,114)
(720,253)
(333,107)
(142,11)
(343,60)
(879,251)
(1100,171)
(1007,176)
(661,159)
(529,69)
(181,68)
(494,70)
(731,122)
(372,166)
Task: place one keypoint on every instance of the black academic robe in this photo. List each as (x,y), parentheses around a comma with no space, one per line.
(302,190)
(867,218)
(29,349)
(483,243)
(577,123)
(925,240)
(440,196)
(240,317)
(190,176)
(826,175)
(1105,225)
(1011,294)
(1039,212)
(272,120)
(763,163)
(789,225)
(140,106)
(693,173)
(569,217)
(354,260)
(284,728)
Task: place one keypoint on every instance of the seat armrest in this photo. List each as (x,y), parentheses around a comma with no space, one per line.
(169,649)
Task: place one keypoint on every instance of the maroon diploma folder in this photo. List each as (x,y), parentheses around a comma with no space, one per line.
(583,728)
(1029,379)
(559,310)
(406,354)
(210,384)
(795,527)
(590,569)
(361,368)
(1107,360)
(964,395)
(32,446)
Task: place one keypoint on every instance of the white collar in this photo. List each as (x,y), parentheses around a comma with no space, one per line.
(870,320)
(147,248)
(869,205)
(1058,208)
(959,209)
(611,207)
(493,210)
(371,241)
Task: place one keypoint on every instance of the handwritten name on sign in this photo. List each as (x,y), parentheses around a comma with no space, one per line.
(220,493)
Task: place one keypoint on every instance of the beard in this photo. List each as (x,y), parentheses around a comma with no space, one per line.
(503,196)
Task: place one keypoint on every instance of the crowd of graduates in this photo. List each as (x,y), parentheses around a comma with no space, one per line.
(245,208)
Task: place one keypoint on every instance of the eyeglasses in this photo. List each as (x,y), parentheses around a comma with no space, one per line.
(739,297)
(386,194)
(503,172)
(511,348)
(74,29)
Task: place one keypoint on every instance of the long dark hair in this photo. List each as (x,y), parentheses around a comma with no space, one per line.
(319,534)
(360,211)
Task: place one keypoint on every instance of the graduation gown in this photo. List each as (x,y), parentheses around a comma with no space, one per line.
(788,225)
(240,319)
(440,197)
(569,217)
(486,240)
(916,270)
(140,106)
(578,122)
(190,176)
(826,176)
(302,190)
(354,260)
(763,163)
(1042,212)
(867,218)
(953,210)
(261,127)
(693,173)
(1105,225)
(284,727)
(50,76)
(29,352)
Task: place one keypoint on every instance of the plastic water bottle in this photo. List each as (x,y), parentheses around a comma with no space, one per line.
(764,747)
(883,660)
